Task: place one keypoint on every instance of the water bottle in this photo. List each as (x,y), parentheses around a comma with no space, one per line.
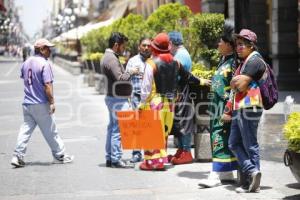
(288,106)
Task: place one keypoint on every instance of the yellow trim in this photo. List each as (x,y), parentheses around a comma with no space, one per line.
(224,160)
(162,154)
(156,156)
(227,88)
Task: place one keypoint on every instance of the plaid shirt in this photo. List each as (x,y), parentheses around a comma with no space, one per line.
(136,80)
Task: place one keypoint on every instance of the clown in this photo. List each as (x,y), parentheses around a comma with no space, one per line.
(159,91)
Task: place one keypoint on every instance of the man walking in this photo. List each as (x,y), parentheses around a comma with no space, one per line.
(38,105)
(118,91)
(139,61)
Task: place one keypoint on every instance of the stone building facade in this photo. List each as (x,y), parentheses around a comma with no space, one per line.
(276,24)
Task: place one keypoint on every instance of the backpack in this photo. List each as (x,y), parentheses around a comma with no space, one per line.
(268,87)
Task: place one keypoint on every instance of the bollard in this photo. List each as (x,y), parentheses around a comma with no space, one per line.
(91,79)
(202,142)
(85,75)
(100,83)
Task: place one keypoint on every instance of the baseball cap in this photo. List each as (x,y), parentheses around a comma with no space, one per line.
(43,42)
(247,34)
(176,37)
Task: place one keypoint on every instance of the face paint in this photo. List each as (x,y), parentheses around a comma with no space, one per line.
(240,46)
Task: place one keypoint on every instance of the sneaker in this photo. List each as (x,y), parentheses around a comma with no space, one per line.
(184,158)
(121,164)
(148,167)
(17,162)
(244,183)
(213,180)
(176,155)
(257,190)
(209,183)
(242,189)
(108,163)
(63,159)
(246,190)
(255,181)
(226,176)
(136,158)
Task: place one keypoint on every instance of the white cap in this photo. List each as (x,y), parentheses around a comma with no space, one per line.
(43,42)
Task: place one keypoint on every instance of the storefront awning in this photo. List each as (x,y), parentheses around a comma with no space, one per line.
(118,11)
(79,32)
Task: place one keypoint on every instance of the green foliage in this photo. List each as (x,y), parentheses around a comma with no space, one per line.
(85,56)
(200,32)
(209,56)
(96,56)
(97,40)
(134,27)
(292,131)
(206,30)
(168,17)
(199,70)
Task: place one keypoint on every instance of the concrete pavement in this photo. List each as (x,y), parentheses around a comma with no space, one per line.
(82,118)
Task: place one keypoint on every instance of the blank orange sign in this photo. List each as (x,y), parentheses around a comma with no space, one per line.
(141,129)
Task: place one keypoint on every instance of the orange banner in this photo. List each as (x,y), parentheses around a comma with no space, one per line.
(141,129)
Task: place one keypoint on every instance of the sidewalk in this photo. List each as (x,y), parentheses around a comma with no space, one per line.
(279,108)
(82,119)
(5,58)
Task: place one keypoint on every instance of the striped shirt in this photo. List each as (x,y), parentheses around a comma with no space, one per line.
(136,80)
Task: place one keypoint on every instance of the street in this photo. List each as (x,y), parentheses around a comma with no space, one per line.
(82,117)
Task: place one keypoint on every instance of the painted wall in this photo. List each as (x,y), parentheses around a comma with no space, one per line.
(195,5)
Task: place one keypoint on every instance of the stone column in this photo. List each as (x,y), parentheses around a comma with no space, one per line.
(253,15)
(285,43)
(231,10)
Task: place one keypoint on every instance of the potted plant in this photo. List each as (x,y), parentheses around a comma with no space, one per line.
(292,134)
(96,58)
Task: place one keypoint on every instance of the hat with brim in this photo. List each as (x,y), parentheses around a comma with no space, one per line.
(161,43)
(246,34)
(43,42)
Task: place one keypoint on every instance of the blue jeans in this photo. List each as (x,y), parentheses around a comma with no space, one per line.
(135,101)
(243,139)
(113,137)
(184,141)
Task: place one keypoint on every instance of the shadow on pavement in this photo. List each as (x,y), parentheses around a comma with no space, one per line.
(294,186)
(232,187)
(102,165)
(265,188)
(194,175)
(37,163)
(294,197)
